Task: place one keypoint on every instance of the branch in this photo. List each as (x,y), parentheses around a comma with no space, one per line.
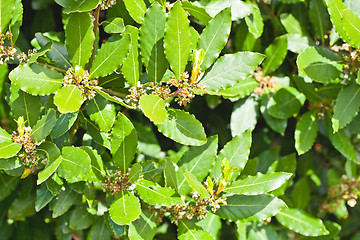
(50,66)
(96,26)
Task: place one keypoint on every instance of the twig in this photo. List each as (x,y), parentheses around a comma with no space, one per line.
(53,67)
(96,26)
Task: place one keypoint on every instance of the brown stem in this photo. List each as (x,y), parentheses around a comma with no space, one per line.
(122,95)
(53,67)
(96,26)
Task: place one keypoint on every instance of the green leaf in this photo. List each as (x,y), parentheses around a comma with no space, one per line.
(9,149)
(259,184)
(5,136)
(24,104)
(226,73)
(308,89)
(130,68)
(170,175)
(100,230)
(275,54)
(300,194)
(123,143)
(250,208)
(255,21)
(77,6)
(135,172)
(298,43)
(291,24)
(276,124)
(196,185)
(110,56)
(7,8)
(125,209)
(101,112)
(136,9)
(196,235)
(36,79)
(197,12)
(50,150)
(44,126)
(43,197)
(68,99)
(177,39)
(144,228)
(154,108)
(44,49)
(306,132)
(351,22)
(183,128)
(211,224)
(22,208)
(214,37)
(239,121)
(10,163)
(301,222)
(97,172)
(63,124)
(79,38)
(114,25)
(80,219)
(197,161)
(153,194)
(285,103)
(320,64)
(240,89)
(335,8)
(236,152)
(63,202)
(75,163)
(151,42)
(239,9)
(49,170)
(319,18)
(7,184)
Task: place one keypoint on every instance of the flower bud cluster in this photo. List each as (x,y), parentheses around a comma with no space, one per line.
(8,53)
(116,183)
(106,4)
(265,83)
(81,79)
(351,57)
(185,212)
(29,157)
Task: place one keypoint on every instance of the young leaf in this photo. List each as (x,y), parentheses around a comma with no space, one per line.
(125,209)
(285,103)
(214,37)
(49,170)
(250,208)
(239,121)
(299,221)
(68,99)
(130,68)
(259,184)
(43,127)
(226,73)
(306,132)
(136,9)
(154,194)
(110,56)
(177,39)
(196,185)
(275,54)
(154,108)
(63,124)
(9,149)
(197,161)
(123,143)
(101,112)
(319,18)
(236,152)
(351,22)
(36,79)
(63,202)
(79,37)
(75,163)
(151,42)
(335,8)
(183,128)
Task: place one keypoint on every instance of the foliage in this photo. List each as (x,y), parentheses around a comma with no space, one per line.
(211,119)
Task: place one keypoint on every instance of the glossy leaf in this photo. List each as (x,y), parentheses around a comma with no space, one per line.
(170,174)
(177,39)
(6,13)
(226,73)
(99,230)
(43,127)
(130,68)
(36,79)
(319,18)
(197,12)
(43,197)
(68,99)
(214,37)
(110,56)
(195,185)
(9,149)
(125,209)
(350,22)
(240,89)
(97,172)
(80,219)
(183,128)
(101,112)
(77,6)
(154,108)
(244,116)
(196,235)
(47,47)
(259,184)
(154,194)
(335,8)
(306,132)
(115,25)
(151,42)
(250,208)
(135,172)
(75,163)
(136,9)
(7,184)
(49,170)
(5,136)
(255,22)
(144,227)
(275,54)
(63,124)
(63,202)
(301,222)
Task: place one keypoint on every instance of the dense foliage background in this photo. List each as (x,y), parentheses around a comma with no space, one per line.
(211,119)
